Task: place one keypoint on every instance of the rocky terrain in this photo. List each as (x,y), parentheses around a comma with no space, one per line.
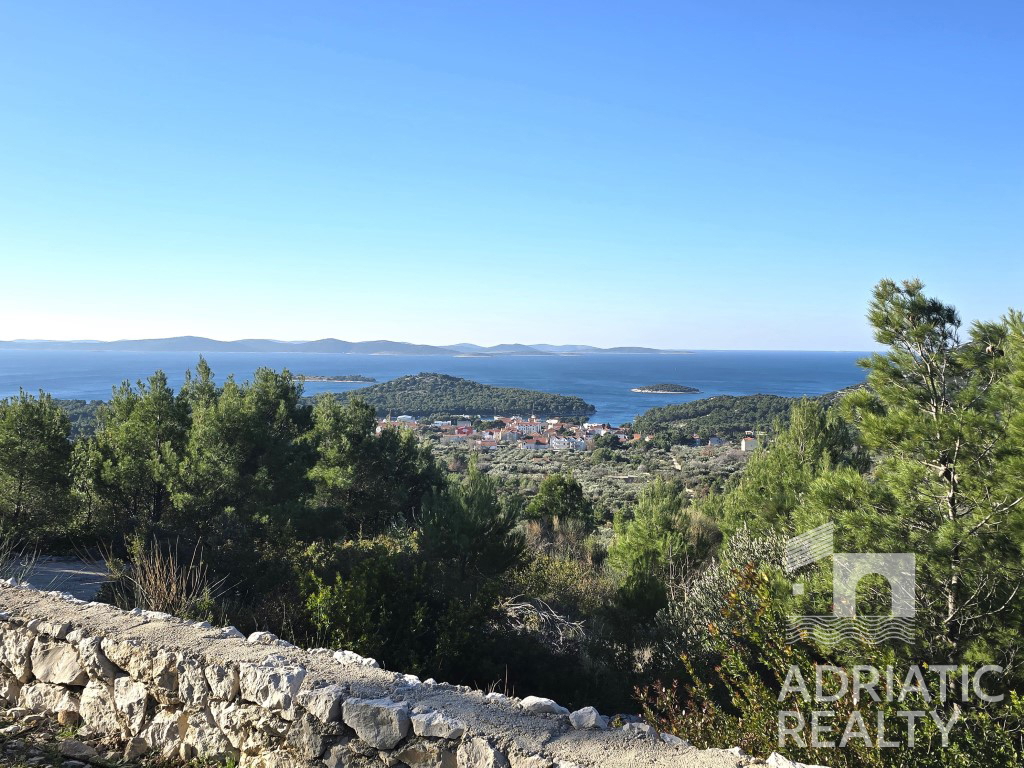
(140,687)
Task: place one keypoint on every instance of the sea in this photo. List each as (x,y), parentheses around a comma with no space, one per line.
(604,380)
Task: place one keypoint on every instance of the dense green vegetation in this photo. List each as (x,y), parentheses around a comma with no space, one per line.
(722,416)
(673,388)
(436,395)
(82,414)
(316,527)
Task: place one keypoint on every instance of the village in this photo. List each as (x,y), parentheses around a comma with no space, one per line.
(534,434)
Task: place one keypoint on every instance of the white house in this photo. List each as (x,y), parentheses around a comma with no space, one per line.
(748,444)
(567,444)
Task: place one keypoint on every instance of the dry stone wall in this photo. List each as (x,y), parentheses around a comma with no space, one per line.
(151,683)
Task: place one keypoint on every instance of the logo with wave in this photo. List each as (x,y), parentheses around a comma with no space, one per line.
(898,569)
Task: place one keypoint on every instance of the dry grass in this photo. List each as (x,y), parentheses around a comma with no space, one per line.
(157,578)
(17,561)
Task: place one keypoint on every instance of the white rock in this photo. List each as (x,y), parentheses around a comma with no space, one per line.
(97,708)
(203,736)
(165,668)
(96,663)
(381,723)
(15,652)
(542,706)
(324,703)
(273,687)
(46,697)
(529,761)
(130,698)
(164,731)
(223,681)
(10,689)
(437,725)
(642,729)
(588,718)
(348,657)
(193,690)
(250,729)
(56,630)
(58,663)
(268,638)
(479,753)
(674,741)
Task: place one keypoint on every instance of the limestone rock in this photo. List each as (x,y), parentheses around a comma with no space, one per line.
(134,749)
(272,686)
(674,741)
(46,697)
(380,722)
(588,718)
(129,655)
(206,739)
(529,761)
(541,706)
(164,731)
(10,689)
(480,753)
(437,725)
(130,698)
(223,681)
(324,703)
(165,670)
(56,662)
(97,708)
(307,737)
(15,652)
(95,661)
(193,690)
(349,657)
(426,755)
(249,728)
(643,729)
(58,630)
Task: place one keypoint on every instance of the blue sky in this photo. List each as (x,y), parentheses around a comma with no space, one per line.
(676,174)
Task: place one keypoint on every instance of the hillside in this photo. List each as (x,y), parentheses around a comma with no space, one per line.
(723,415)
(437,395)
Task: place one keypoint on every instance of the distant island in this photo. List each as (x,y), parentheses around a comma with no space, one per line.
(439,396)
(201,344)
(666,389)
(346,379)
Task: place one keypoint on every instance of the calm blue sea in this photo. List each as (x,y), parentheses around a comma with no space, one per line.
(604,380)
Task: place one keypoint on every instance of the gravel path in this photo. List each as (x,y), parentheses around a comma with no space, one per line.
(81,578)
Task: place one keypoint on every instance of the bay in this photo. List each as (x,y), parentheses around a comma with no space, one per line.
(605,380)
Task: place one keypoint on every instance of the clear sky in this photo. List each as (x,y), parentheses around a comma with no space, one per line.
(675,174)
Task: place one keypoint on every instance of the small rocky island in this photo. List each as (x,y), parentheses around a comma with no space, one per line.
(667,389)
(350,378)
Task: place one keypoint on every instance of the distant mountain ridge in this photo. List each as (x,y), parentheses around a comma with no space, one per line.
(330,346)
